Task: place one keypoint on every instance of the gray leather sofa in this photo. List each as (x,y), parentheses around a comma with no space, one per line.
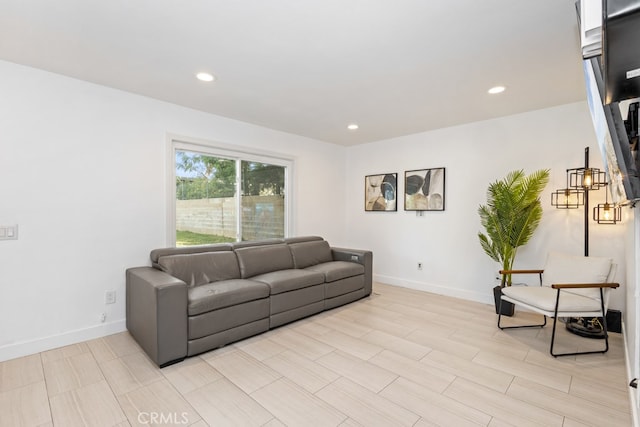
(194,299)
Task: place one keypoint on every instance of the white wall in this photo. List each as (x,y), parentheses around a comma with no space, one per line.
(475,155)
(82,171)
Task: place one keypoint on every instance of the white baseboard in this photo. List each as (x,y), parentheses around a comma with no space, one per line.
(482,297)
(25,348)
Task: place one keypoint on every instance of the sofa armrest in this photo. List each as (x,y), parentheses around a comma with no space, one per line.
(361,257)
(157,313)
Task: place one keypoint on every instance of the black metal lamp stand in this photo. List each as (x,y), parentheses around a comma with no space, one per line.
(591,180)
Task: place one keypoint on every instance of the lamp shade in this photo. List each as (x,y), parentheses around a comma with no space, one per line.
(567,198)
(587,178)
(606,213)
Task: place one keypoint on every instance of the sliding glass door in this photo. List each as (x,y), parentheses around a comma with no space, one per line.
(226,199)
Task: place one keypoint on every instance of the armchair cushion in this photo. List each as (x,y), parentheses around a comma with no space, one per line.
(544,298)
(562,268)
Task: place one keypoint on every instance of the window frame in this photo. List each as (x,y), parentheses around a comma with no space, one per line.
(231,152)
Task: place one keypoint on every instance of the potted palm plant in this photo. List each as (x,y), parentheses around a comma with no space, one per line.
(511,215)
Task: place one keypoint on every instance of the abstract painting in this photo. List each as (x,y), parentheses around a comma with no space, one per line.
(380,192)
(424,190)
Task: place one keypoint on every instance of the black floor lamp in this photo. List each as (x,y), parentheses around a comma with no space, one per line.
(580,181)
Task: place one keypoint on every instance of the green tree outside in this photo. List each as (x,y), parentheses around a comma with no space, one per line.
(203,177)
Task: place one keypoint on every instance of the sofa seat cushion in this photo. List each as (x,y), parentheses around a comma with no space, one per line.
(225,293)
(202,268)
(289,280)
(544,298)
(336,270)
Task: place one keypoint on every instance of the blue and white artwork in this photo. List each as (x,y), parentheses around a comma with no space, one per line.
(380,192)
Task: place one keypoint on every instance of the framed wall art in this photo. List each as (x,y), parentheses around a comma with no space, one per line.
(380,192)
(424,190)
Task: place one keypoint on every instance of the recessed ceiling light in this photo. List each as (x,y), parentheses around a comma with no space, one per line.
(497,89)
(205,77)
(352,126)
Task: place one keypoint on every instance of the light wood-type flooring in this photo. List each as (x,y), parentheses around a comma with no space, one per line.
(399,358)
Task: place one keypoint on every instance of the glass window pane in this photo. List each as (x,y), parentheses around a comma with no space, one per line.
(205,199)
(263,200)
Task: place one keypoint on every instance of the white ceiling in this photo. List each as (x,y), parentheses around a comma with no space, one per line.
(310,67)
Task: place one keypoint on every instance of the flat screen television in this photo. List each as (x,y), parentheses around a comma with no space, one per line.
(620,51)
(618,141)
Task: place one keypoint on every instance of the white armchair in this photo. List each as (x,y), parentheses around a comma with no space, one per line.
(570,286)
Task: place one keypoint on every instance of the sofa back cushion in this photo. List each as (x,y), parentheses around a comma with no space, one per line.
(199,269)
(184,250)
(300,239)
(256,260)
(263,242)
(306,254)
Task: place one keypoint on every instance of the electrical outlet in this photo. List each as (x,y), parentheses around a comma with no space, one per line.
(419,266)
(110,297)
(103,317)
